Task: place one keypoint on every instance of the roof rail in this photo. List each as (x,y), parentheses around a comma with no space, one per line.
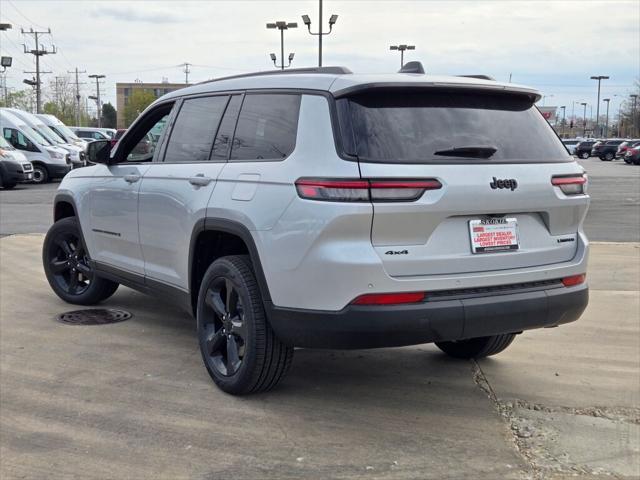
(480,77)
(326,70)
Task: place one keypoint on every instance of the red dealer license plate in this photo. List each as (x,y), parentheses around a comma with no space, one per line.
(493,235)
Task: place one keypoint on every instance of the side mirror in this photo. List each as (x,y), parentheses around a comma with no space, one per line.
(98,151)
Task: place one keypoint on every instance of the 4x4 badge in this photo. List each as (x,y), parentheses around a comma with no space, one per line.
(510,183)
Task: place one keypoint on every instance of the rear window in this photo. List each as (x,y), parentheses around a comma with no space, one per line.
(410,127)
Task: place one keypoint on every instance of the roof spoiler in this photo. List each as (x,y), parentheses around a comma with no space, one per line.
(412,67)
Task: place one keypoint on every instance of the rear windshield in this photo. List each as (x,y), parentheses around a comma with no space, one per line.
(410,127)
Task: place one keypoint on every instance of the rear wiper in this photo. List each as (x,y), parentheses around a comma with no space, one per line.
(472,151)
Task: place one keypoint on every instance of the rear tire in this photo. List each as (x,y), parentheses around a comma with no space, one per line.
(240,350)
(67,266)
(477,347)
(40,174)
(608,157)
(584,155)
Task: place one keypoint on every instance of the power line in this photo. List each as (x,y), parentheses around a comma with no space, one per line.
(23,15)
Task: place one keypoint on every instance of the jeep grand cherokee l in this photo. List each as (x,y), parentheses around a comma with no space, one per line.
(324,209)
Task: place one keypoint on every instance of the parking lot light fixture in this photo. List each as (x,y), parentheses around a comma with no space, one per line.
(584,119)
(5,26)
(282,26)
(599,78)
(606,121)
(564,114)
(320,33)
(401,48)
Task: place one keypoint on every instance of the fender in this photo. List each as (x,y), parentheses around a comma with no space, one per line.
(235,228)
(64,197)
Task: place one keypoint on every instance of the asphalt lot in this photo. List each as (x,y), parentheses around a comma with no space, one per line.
(613,216)
(132,400)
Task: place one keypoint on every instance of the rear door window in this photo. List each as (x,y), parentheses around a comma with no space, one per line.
(411,126)
(222,143)
(267,127)
(195,128)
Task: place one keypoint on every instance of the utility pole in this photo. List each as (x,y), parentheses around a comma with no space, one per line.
(599,78)
(634,116)
(38,52)
(186,71)
(606,122)
(401,49)
(98,104)
(320,33)
(77,82)
(584,119)
(57,89)
(564,112)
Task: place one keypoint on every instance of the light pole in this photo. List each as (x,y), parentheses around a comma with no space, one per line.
(564,112)
(634,117)
(606,121)
(544,97)
(332,21)
(599,78)
(401,49)
(282,26)
(584,119)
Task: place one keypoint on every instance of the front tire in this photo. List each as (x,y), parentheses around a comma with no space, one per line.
(477,347)
(240,350)
(608,157)
(67,266)
(584,155)
(40,174)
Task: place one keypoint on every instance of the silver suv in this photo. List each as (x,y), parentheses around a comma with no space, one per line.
(323,209)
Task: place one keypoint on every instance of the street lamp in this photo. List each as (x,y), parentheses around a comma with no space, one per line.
(599,78)
(282,26)
(564,112)
(584,119)
(332,21)
(544,97)
(401,49)
(273,58)
(606,122)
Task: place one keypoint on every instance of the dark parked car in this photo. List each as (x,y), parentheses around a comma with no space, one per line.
(583,149)
(633,155)
(624,146)
(606,150)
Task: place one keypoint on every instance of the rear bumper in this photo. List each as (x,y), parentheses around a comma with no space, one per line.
(441,320)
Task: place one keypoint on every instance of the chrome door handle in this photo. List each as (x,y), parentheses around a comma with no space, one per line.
(200,180)
(133,178)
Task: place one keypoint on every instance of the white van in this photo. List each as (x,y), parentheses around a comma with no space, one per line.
(76,153)
(49,162)
(55,124)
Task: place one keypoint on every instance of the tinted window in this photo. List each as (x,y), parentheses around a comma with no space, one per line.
(225,133)
(410,127)
(267,127)
(194,129)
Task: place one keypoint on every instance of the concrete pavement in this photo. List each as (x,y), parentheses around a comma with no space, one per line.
(132,399)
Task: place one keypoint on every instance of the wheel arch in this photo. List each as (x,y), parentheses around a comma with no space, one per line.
(64,206)
(231,238)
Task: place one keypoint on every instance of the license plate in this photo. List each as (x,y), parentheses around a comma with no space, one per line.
(493,235)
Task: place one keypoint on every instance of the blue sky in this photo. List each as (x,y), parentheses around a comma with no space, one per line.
(552,45)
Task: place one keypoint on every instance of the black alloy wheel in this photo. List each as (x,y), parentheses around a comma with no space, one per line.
(225,328)
(67,266)
(68,262)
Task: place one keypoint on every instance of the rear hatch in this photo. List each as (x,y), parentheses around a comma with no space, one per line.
(494,156)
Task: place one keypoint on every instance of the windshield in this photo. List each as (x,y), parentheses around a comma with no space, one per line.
(434,127)
(49,134)
(34,135)
(65,131)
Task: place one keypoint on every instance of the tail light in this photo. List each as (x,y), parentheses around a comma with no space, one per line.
(345,190)
(574,280)
(570,184)
(389,298)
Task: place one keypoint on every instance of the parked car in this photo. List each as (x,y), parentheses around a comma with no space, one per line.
(633,155)
(119,133)
(62,130)
(109,131)
(90,134)
(583,148)
(48,162)
(327,209)
(606,149)
(571,144)
(14,166)
(624,146)
(76,153)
